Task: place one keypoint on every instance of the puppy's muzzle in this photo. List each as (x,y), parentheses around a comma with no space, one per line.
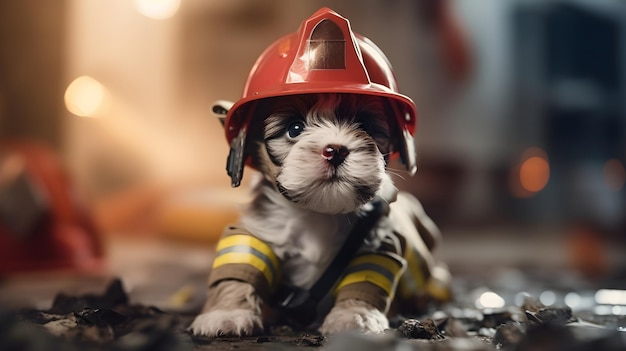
(335,154)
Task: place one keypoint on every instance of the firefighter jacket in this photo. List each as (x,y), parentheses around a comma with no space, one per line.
(373,275)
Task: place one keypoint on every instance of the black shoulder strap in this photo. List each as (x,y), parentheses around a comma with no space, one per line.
(300,305)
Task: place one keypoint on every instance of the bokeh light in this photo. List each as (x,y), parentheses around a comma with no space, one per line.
(84,96)
(572,299)
(490,299)
(610,297)
(157,9)
(532,173)
(547,298)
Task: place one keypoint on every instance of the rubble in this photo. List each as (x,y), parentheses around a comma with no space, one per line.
(94,322)
(109,322)
(412,328)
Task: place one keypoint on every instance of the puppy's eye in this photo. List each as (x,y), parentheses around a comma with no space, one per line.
(295,129)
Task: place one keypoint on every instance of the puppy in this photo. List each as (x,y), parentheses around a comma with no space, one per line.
(321,158)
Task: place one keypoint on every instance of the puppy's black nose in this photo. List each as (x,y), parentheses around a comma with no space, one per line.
(335,154)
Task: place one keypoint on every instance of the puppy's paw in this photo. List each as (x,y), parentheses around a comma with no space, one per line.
(221,323)
(354,315)
(232,308)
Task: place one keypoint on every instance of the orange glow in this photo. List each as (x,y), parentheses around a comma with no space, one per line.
(614,174)
(532,174)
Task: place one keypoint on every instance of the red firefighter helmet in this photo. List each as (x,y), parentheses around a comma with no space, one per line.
(323,56)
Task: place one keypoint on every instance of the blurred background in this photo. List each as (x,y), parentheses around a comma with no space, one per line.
(520,142)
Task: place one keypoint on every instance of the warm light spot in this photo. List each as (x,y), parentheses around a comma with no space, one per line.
(534,173)
(157,9)
(531,175)
(84,96)
(610,297)
(614,174)
(490,299)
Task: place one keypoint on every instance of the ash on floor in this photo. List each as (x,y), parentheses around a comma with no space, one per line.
(109,322)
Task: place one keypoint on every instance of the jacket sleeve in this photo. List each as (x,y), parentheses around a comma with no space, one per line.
(397,266)
(241,256)
(372,277)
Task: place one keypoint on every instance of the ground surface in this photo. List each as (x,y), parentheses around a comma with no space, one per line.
(498,305)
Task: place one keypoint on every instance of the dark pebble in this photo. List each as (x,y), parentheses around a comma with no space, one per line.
(552,315)
(414,329)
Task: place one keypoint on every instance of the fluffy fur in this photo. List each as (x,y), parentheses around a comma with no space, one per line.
(303,175)
(232,308)
(304,204)
(354,315)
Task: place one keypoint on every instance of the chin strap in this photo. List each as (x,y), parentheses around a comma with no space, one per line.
(300,305)
(235,161)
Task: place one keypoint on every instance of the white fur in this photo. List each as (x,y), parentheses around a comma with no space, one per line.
(222,322)
(232,308)
(306,173)
(305,241)
(354,315)
(306,177)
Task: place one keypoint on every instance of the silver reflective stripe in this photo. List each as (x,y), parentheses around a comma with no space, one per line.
(250,250)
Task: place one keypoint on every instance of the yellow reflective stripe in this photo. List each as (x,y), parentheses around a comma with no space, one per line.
(381,270)
(247,249)
(384,261)
(245,258)
(251,241)
(368,276)
(415,268)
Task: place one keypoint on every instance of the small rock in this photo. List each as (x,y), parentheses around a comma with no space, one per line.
(414,329)
(555,315)
(310,340)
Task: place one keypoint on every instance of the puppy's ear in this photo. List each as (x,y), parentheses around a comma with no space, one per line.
(220,109)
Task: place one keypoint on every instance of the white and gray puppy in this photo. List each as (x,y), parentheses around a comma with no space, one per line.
(322,157)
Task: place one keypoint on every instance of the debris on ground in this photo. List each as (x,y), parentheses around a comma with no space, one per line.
(110,322)
(414,329)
